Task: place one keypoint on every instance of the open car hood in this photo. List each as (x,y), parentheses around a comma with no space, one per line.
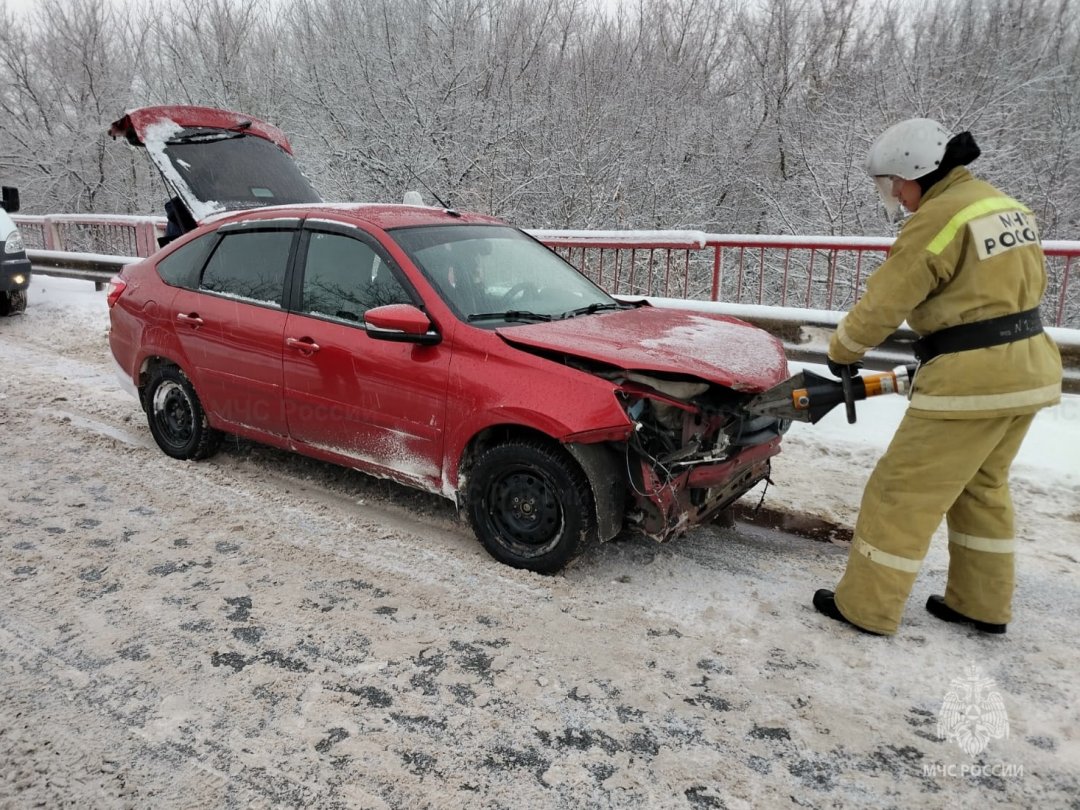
(716,348)
(215,160)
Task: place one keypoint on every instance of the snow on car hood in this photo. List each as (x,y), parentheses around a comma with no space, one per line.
(722,350)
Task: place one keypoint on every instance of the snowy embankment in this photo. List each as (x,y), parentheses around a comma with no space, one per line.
(259,629)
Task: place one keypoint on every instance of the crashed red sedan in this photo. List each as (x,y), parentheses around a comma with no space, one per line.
(444,350)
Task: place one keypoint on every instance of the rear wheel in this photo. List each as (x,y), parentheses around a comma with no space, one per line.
(12,302)
(530,505)
(176,417)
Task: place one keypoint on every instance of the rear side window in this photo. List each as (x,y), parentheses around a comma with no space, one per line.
(181,267)
(345,277)
(250,265)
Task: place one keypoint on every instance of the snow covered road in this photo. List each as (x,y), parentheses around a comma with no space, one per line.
(264,630)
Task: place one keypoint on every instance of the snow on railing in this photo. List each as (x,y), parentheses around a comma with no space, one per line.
(813,272)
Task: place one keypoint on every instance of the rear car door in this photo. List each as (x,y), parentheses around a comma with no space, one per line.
(372,403)
(231,326)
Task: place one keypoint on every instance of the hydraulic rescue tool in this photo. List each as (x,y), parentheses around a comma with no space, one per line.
(807,396)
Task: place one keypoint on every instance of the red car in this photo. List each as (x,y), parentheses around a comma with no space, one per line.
(445,350)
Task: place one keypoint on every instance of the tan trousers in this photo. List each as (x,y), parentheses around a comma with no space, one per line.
(958,467)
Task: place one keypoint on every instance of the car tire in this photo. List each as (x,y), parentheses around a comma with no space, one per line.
(176,417)
(12,303)
(530,505)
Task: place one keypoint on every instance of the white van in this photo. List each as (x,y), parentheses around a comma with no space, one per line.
(14,266)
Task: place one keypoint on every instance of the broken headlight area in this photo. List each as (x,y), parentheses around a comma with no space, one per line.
(694,450)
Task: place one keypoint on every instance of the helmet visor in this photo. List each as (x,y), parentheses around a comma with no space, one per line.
(891,202)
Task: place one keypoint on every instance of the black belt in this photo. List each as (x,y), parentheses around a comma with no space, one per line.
(979,335)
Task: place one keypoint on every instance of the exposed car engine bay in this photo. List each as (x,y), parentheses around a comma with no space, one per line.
(693,451)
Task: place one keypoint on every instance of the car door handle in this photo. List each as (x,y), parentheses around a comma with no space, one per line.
(303,344)
(191,320)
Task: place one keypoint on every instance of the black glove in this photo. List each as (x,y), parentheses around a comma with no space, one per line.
(836,368)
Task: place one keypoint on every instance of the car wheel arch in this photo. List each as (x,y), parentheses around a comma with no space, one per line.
(148,365)
(489,437)
(597,462)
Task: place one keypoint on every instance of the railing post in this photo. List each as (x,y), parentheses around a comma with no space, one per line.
(1059,320)
(761,276)
(145,239)
(858,275)
(51,235)
(717,268)
(742,268)
(783,291)
(831,287)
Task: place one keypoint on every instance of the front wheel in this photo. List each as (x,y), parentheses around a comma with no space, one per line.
(530,505)
(176,417)
(12,302)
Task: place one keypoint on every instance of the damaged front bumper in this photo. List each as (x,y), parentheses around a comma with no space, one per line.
(694,451)
(670,505)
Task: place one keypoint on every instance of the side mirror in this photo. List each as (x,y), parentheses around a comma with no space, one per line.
(10,199)
(401,323)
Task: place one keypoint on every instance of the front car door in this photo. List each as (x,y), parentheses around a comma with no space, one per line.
(373,404)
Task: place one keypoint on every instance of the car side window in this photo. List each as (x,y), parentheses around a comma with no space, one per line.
(181,267)
(345,277)
(250,265)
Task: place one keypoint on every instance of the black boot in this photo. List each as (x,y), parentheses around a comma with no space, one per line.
(825,602)
(937,607)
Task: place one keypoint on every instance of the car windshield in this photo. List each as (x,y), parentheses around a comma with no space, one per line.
(218,165)
(494,274)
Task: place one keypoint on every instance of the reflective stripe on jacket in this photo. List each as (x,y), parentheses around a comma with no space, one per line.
(968,254)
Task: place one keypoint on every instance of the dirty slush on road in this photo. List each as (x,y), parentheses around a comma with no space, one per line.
(265,630)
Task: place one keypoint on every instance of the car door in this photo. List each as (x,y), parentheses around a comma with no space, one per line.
(231,326)
(373,403)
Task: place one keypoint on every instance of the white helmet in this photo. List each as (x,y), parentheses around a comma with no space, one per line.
(908,150)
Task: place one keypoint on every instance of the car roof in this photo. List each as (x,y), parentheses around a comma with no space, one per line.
(380,215)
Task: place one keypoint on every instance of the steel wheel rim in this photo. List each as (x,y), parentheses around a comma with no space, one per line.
(174,414)
(524,511)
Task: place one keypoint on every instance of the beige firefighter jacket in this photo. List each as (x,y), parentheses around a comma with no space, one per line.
(968,254)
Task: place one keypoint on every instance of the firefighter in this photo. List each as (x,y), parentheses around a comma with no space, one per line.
(967,273)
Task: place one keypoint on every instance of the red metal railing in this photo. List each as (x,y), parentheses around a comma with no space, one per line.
(813,272)
(113,235)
